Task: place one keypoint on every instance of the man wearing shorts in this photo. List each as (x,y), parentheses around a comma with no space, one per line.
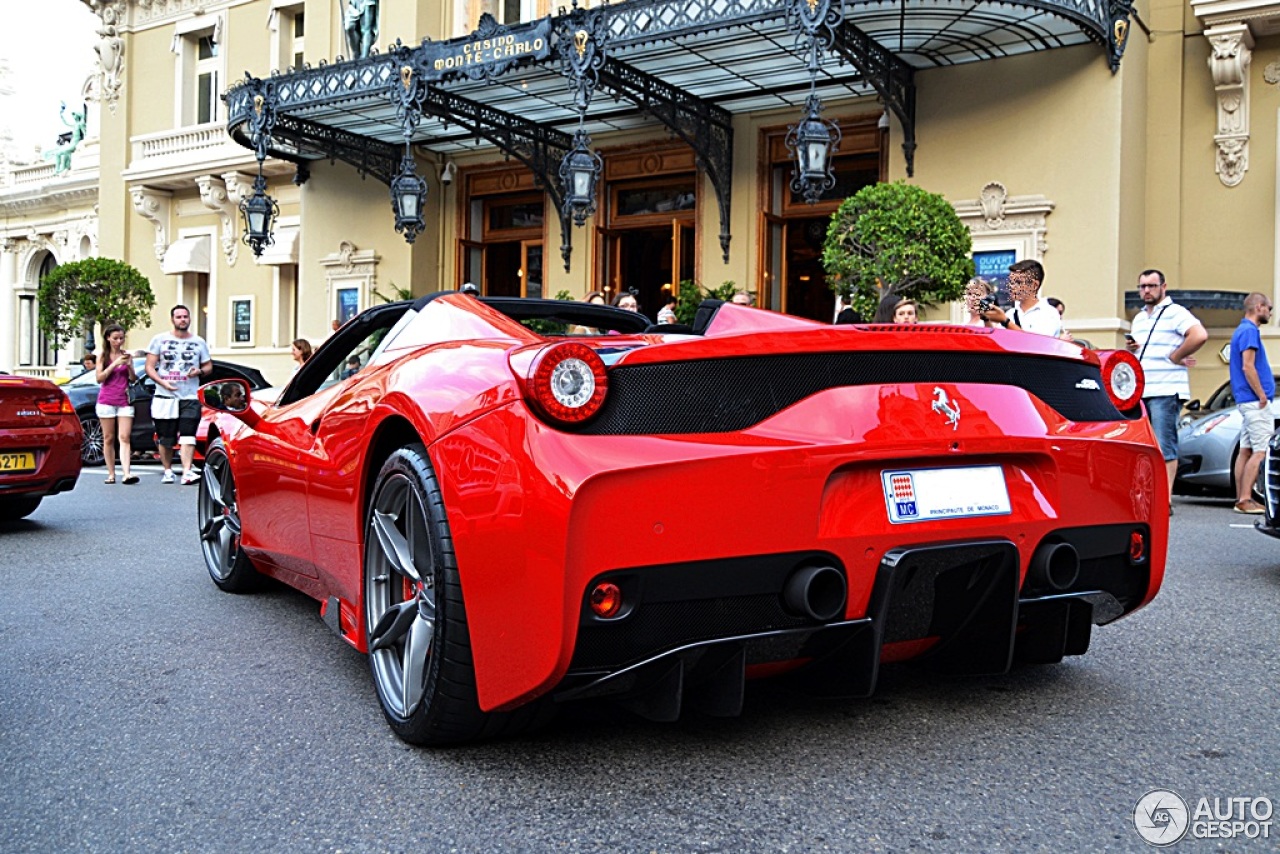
(1164,335)
(1254,386)
(177,361)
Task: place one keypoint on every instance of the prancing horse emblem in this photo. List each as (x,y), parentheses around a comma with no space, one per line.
(943,405)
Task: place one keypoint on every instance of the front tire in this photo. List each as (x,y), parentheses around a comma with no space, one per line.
(416,623)
(91,453)
(218,515)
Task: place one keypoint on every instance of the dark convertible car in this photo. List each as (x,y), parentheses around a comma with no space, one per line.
(83,391)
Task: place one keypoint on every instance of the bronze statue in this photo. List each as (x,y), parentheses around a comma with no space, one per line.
(67,142)
(360,20)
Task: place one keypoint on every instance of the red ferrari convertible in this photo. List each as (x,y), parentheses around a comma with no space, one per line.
(512,503)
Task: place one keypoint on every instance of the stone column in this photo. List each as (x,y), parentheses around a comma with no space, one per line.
(8,303)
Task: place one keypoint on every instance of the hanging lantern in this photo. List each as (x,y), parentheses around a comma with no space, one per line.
(813,141)
(579,172)
(259,212)
(408,198)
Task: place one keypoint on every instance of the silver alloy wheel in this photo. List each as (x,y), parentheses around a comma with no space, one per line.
(400,594)
(91,453)
(218,517)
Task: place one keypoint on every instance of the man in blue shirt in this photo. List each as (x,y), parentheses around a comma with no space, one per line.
(1254,386)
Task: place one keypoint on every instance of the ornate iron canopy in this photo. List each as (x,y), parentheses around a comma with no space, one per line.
(688,64)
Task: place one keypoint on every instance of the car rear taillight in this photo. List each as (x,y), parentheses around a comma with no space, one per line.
(1123,379)
(568,382)
(1137,547)
(606,600)
(56,406)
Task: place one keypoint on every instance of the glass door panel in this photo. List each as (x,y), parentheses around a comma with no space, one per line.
(532,269)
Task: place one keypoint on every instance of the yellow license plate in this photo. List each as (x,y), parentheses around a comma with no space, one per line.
(25,461)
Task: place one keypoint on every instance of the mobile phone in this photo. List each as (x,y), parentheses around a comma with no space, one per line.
(1128,337)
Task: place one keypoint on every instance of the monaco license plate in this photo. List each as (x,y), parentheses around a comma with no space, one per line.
(18,462)
(920,495)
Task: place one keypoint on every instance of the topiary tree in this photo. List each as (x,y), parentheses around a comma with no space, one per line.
(692,294)
(894,241)
(77,295)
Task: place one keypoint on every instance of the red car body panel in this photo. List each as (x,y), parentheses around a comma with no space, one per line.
(536,512)
(36,417)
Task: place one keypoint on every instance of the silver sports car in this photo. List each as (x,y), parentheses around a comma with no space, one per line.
(1208,436)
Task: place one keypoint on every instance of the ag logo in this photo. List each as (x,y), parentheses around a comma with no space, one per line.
(1161,817)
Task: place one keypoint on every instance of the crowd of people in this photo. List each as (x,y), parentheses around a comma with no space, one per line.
(1164,336)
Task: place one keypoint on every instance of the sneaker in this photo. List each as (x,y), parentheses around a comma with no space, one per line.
(1249,506)
(190,478)
(168,477)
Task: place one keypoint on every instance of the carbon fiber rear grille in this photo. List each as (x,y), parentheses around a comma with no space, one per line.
(724,395)
(664,625)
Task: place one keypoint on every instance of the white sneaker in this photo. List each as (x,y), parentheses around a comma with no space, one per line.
(168,476)
(190,478)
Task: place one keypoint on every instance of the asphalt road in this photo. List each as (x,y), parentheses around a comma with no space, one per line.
(143,710)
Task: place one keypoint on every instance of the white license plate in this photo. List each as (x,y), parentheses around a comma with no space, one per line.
(921,495)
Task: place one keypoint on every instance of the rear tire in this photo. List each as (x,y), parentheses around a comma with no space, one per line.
(416,622)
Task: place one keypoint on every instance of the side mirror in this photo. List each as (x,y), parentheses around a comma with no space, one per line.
(230,396)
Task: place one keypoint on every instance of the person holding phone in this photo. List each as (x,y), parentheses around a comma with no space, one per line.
(114,372)
(1164,335)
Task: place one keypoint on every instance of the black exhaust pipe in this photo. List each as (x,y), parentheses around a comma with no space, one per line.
(816,592)
(1054,566)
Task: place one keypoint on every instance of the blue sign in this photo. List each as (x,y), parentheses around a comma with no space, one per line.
(348,304)
(994,267)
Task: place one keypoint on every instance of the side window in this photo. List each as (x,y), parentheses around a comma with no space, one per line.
(346,353)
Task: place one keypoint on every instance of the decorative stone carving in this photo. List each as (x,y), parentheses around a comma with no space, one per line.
(110,50)
(349,268)
(992,199)
(1271,73)
(1229,59)
(996,217)
(216,196)
(154,205)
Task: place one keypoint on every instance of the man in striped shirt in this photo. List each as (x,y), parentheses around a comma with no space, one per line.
(1164,335)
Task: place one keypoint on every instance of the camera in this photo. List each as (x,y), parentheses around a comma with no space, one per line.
(986,304)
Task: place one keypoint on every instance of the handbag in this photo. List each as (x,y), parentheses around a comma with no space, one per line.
(137,391)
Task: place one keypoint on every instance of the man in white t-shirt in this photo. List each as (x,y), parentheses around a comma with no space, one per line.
(1164,335)
(176,362)
(1031,312)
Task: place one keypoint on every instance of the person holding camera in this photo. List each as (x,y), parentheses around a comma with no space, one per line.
(1031,312)
(979,297)
(1164,335)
